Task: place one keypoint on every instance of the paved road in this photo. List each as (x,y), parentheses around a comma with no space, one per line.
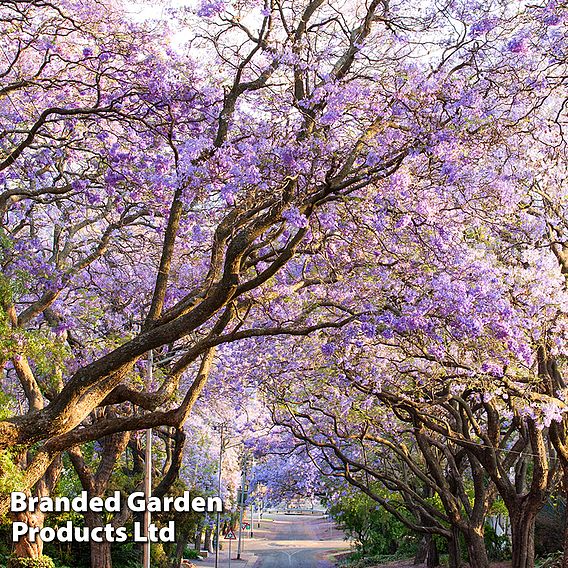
(296,541)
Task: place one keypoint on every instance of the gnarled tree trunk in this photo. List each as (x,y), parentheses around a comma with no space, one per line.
(26,548)
(476,550)
(100,551)
(454,552)
(522,539)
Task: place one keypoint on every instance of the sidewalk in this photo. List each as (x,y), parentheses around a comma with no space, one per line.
(248,560)
(248,557)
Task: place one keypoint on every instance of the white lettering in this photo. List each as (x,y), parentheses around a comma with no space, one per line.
(137,533)
(96,504)
(136,502)
(112,504)
(18,502)
(62,504)
(47,534)
(79,504)
(168,534)
(96,534)
(182,504)
(121,534)
(18,529)
(214,505)
(198,504)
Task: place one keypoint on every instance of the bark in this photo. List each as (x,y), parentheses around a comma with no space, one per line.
(565,556)
(422,552)
(208,541)
(433,559)
(454,552)
(181,543)
(562,457)
(100,551)
(476,550)
(198,538)
(100,555)
(25,548)
(522,538)
(427,552)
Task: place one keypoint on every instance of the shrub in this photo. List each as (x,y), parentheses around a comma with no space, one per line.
(43,562)
(191,554)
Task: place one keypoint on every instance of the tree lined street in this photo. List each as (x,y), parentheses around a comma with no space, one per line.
(284,540)
(275,251)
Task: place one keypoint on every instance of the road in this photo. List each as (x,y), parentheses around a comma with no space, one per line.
(295,541)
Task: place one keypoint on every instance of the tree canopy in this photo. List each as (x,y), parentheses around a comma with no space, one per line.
(351,213)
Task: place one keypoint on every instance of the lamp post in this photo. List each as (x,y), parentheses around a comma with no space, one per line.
(148,474)
(242,500)
(221,449)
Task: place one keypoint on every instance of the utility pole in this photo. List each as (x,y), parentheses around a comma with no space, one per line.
(218,538)
(242,504)
(148,474)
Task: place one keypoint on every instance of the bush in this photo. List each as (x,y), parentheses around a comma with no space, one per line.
(191,554)
(374,531)
(498,546)
(553,560)
(43,562)
(369,561)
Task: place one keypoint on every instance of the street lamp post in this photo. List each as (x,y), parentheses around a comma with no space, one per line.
(148,475)
(218,539)
(242,503)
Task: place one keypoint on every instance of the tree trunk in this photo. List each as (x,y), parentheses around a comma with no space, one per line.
(565,555)
(565,495)
(100,551)
(198,536)
(25,548)
(422,552)
(100,555)
(522,540)
(454,552)
(182,539)
(433,559)
(208,541)
(476,550)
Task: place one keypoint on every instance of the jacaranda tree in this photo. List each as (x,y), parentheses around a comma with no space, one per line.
(294,167)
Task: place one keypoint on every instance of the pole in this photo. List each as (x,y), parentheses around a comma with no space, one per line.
(230,541)
(251,519)
(148,476)
(242,507)
(222,427)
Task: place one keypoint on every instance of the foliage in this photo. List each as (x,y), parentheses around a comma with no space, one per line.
(374,530)
(553,560)
(43,562)
(498,546)
(11,476)
(356,561)
(125,555)
(191,553)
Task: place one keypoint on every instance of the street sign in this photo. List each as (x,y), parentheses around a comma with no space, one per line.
(230,535)
(246,526)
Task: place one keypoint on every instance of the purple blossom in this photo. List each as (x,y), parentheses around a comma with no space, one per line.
(328,349)
(211,8)
(482,26)
(517,45)
(295,218)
